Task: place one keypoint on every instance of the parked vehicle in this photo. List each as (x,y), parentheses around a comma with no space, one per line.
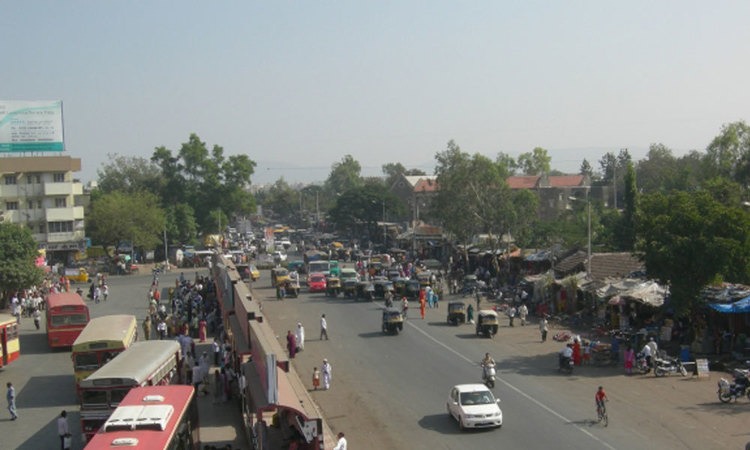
(732,391)
(664,365)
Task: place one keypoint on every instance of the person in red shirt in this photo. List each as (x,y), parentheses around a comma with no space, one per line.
(600,398)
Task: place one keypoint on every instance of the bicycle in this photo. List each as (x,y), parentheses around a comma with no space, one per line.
(601,413)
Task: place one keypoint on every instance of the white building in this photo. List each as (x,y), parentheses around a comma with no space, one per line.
(41,193)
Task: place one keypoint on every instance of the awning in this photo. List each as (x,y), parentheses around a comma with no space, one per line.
(643,291)
(738,307)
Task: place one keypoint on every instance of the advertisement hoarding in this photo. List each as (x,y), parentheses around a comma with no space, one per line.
(31,126)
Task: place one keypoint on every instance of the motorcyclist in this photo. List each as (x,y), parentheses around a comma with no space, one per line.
(487,363)
(566,354)
(388,299)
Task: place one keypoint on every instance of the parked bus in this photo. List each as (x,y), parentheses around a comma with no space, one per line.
(10,345)
(152,418)
(67,316)
(102,339)
(145,363)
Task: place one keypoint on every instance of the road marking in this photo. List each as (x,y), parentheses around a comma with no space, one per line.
(517,390)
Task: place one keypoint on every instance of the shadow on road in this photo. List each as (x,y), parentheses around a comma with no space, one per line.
(35,343)
(44,391)
(442,423)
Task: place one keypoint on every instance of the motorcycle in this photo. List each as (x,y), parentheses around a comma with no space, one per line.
(665,365)
(488,375)
(739,388)
(565,364)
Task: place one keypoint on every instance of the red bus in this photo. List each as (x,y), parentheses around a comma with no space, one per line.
(10,346)
(145,363)
(152,418)
(67,316)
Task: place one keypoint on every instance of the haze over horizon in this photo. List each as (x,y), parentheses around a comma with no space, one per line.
(297,86)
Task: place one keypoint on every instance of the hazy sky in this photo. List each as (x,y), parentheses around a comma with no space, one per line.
(298,85)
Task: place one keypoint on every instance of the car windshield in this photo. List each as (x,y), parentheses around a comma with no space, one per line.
(317,279)
(477,398)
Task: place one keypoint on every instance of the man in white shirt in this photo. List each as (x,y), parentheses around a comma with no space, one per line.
(62,428)
(341,444)
(323,327)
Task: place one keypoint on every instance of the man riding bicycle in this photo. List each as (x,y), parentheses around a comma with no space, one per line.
(600,398)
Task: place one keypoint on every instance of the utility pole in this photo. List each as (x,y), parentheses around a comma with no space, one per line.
(385,229)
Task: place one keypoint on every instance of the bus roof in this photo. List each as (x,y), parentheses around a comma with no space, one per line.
(133,366)
(146,418)
(114,328)
(64,299)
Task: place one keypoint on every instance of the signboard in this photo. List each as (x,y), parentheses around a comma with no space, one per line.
(701,366)
(31,126)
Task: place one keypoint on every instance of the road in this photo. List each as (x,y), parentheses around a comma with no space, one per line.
(390,391)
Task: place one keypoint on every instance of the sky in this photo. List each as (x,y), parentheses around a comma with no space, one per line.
(298,85)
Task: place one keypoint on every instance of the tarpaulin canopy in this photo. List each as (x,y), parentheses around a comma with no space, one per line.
(738,307)
(648,292)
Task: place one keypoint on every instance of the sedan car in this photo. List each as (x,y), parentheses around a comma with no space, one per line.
(474,406)
(316,282)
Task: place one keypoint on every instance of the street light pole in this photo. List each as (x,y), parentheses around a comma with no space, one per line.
(385,230)
(588,256)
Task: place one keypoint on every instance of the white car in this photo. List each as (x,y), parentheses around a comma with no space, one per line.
(474,406)
(279,256)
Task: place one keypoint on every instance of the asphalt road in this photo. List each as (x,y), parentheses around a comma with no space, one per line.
(390,391)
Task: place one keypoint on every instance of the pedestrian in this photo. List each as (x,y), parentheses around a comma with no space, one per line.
(326,369)
(97,294)
(577,352)
(147,327)
(202,329)
(405,307)
(218,386)
(523,311)
(323,327)
(470,314)
(217,350)
(316,378)
(512,314)
(291,344)
(341,444)
(10,395)
(37,315)
(543,328)
(162,329)
(300,335)
(422,306)
(629,360)
(105,292)
(62,428)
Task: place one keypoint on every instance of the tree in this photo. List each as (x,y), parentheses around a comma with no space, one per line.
(181,225)
(345,175)
(657,171)
(282,200)
(535,163)
(17,253)
(626,226)
(586,169)
(728,154)
(689,240)
(358,211)
(507,162)
(120,216)
(394,170)
(129,174)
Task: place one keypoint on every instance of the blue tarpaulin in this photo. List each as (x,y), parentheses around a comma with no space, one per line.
(738,307)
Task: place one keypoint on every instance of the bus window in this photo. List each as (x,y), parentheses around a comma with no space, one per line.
(94,398)
(86,361)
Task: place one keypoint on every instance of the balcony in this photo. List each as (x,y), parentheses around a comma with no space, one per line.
(61,189)
(64,214)
(74,236)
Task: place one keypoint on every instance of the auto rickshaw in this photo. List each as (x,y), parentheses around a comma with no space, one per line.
(333,286)
(456,312)
(469,284)
(291,287)
(365,290)
(349,287)
(399,285)
(279,276)
(487,323)
(393,321)
(382,288)
(425,278)
(77,275)
(412,289)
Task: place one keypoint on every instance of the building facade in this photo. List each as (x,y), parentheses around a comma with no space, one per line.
(41,193)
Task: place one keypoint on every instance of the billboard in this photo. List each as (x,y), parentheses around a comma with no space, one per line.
(31,126)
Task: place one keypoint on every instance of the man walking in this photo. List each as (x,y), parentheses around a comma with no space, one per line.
(10,395)
(523,311)
(323,327)
(543,328)
(326,369)
(62,428)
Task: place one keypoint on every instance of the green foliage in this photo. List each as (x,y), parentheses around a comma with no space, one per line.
(129,174)
(17,253)
(690,239)
(122,216)
(586,169)
(537,162)
(181,225)
(358,210)
(344,176)
(728,154)
(393,171)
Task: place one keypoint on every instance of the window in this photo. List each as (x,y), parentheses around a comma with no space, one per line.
(39,204)
(60,202)
(11,206)
(41,228)
(58,177)
(60,227)
(29,179)
(10,179)
(38,178)
(30,204)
